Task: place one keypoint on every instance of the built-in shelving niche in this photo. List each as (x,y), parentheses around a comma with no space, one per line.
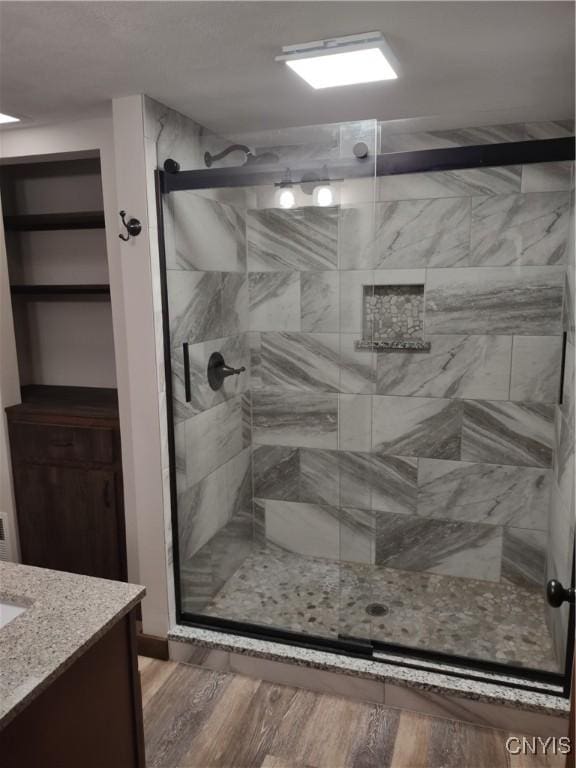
(58,269)
(393,318)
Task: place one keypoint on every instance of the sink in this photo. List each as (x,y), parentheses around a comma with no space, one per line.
(8,612)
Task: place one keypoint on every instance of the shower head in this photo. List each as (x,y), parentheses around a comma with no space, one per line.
(265,157)
(251,157)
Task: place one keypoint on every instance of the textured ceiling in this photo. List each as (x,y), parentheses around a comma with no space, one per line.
(215,60)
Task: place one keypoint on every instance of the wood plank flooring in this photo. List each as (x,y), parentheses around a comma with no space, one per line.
(196,718)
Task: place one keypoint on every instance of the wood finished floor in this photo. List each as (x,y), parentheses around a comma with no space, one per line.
(197,718)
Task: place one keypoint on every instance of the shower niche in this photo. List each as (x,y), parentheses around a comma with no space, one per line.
(393,318)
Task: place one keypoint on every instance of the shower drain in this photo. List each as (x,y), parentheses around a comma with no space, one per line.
(376,609)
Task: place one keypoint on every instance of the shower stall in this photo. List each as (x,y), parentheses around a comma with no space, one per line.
(369,351)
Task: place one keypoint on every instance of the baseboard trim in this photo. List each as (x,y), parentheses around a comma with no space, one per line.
(152,646)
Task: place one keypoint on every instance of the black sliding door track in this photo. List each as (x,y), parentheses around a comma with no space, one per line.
(392,164)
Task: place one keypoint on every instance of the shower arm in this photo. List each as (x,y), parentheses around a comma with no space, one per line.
(210,158)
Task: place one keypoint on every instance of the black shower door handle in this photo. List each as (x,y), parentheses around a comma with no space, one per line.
(186,357)
(556,594)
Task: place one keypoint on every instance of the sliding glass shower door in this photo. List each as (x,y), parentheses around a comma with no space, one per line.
(372,397)
(460,472)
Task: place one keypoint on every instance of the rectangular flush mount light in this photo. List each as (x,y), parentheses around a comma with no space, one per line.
(362,58)
(8,119)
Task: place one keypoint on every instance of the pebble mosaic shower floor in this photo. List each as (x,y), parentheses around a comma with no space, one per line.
(502,623)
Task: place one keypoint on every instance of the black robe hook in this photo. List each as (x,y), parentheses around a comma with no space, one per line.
(133,227)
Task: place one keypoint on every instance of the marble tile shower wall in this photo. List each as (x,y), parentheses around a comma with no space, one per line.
(438,461)
(169,134)
(208,290)
(208,309)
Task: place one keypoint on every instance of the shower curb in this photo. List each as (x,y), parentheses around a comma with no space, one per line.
(430,692)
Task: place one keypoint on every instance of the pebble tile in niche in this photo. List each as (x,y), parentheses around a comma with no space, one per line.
(392,312)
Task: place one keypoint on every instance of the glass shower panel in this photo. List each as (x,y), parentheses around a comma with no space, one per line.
(253,273)
(390,458)
(462,428)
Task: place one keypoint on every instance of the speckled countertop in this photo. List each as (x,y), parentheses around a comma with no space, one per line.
(445,684)
(65,614)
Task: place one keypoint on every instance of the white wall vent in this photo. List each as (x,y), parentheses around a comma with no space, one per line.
(3,538)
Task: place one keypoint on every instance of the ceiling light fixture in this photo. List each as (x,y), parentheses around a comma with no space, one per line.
(8,119)
(362,58)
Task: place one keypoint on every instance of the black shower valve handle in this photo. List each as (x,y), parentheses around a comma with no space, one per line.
(218,370)
(227,370)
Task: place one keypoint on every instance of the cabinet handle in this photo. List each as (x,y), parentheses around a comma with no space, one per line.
(107,500)
(61,444)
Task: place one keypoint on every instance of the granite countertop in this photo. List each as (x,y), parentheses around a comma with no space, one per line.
(65,614)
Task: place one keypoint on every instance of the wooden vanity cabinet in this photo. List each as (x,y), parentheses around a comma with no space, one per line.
(66,465)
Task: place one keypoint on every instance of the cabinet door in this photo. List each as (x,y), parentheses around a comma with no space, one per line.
(68,519)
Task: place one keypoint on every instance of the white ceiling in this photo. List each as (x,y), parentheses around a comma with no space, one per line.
(215,61)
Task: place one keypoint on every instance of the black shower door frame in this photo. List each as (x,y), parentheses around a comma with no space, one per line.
(419,161)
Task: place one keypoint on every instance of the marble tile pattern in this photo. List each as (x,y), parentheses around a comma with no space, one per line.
(208,235)
(212,438)
(357,540)
(525,229)
(354,422)
(550,129)
(443,139)
(385,483)
(213,546)
(337,478)
(438,546)
(307,529)
(276,472)
(194,306)
(416,426)
(456,366)
(497,300)
(274,301)
(423,233)
(313,362)
(177,136)
(457,183)
(394,139)
(520,434)
(300,361)
(319,292)
(306,420)
(524,557)
(298,239)
(497,494)
(536,369)
(547,177)
(207,506)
